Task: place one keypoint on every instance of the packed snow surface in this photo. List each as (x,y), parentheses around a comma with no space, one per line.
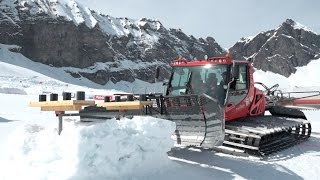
(110,149)
(134,148)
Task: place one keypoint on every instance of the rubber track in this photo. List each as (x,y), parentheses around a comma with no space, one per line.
(261,136)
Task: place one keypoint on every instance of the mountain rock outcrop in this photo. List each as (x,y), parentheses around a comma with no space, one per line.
(280,50)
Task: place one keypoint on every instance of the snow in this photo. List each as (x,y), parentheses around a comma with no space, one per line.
(119,65)
(287,36)
(113,149)
(295,25)
(9,6)
(246,39)
(298,25)
(273,56)
(69,9)
(304,77)
(74,11)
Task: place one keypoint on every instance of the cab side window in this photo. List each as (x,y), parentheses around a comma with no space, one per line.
(243,78)
(242,81)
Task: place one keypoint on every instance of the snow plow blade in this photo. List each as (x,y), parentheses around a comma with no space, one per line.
(199,120)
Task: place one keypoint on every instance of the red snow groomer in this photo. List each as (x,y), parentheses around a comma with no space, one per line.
(215,104)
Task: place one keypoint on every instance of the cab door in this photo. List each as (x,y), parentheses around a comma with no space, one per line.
(237,105)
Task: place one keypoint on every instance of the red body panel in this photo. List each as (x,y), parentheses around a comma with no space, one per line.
(306,101)
(310,102)
(252,105)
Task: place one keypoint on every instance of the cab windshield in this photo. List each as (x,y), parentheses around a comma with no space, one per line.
(196,79)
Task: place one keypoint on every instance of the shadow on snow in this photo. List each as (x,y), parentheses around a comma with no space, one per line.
(228,167)
(3,120)
(309,146)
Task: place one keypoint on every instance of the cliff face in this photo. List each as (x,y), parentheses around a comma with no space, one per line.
(280,50)
(99,47)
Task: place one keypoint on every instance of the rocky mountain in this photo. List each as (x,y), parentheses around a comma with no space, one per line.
(63,33)
(86,43)
(280,50)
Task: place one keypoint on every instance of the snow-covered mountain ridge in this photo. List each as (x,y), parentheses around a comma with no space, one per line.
(72,11)
(280,50)
(63,33)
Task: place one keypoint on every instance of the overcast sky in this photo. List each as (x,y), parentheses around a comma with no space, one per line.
(226,21)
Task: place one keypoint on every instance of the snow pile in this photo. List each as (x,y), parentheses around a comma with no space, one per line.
(107,150)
